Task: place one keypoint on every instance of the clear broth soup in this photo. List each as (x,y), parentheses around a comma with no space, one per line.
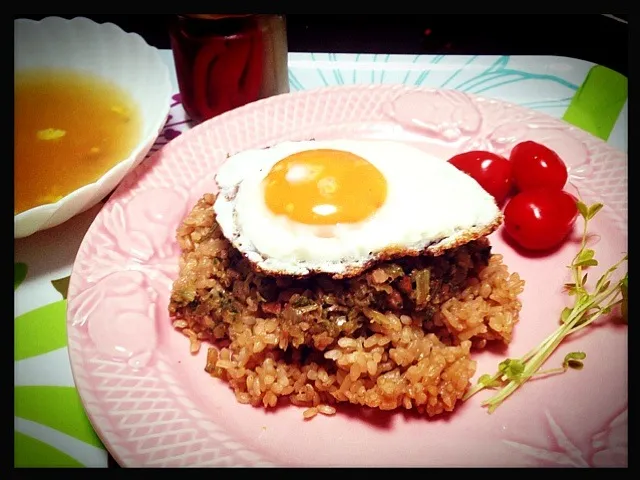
(69,129)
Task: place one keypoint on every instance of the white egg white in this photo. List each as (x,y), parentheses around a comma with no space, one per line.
(431,206)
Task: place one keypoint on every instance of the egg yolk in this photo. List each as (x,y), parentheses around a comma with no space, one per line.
(325,187)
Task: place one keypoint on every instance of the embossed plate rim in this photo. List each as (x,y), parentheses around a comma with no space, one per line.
(237,453)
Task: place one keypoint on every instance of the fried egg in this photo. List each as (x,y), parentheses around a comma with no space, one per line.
(339,206)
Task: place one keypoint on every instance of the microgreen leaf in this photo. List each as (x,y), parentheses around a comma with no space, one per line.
(570,288)
(564,316)
(575,364)
(593,209)
(591,262)
(583,209)
(603,287)
(574,360)
(583,299)
(586,254)
(488,381)
(585,258)
(512,368)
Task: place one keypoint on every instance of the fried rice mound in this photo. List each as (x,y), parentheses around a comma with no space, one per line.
(398,335)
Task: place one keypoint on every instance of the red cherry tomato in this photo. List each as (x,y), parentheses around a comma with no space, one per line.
(540,219)
(491,171)
(534,166)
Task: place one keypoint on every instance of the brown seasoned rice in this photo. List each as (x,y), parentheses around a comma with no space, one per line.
(377,340)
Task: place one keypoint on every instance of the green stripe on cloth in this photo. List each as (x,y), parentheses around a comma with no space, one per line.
(40,331)
(29,452)
(59,408)
(597,104)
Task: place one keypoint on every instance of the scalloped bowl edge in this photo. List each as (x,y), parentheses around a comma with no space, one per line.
(47,43)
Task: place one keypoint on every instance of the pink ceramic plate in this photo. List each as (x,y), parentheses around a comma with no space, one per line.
(153,404)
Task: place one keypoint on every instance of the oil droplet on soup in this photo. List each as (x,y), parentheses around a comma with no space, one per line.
(70,128)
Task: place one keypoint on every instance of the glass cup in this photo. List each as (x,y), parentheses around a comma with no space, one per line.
(226,61)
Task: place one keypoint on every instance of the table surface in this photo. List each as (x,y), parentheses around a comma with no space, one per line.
(598,38)
(397,42)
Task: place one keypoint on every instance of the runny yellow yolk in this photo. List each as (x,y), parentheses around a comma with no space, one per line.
(325,187)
